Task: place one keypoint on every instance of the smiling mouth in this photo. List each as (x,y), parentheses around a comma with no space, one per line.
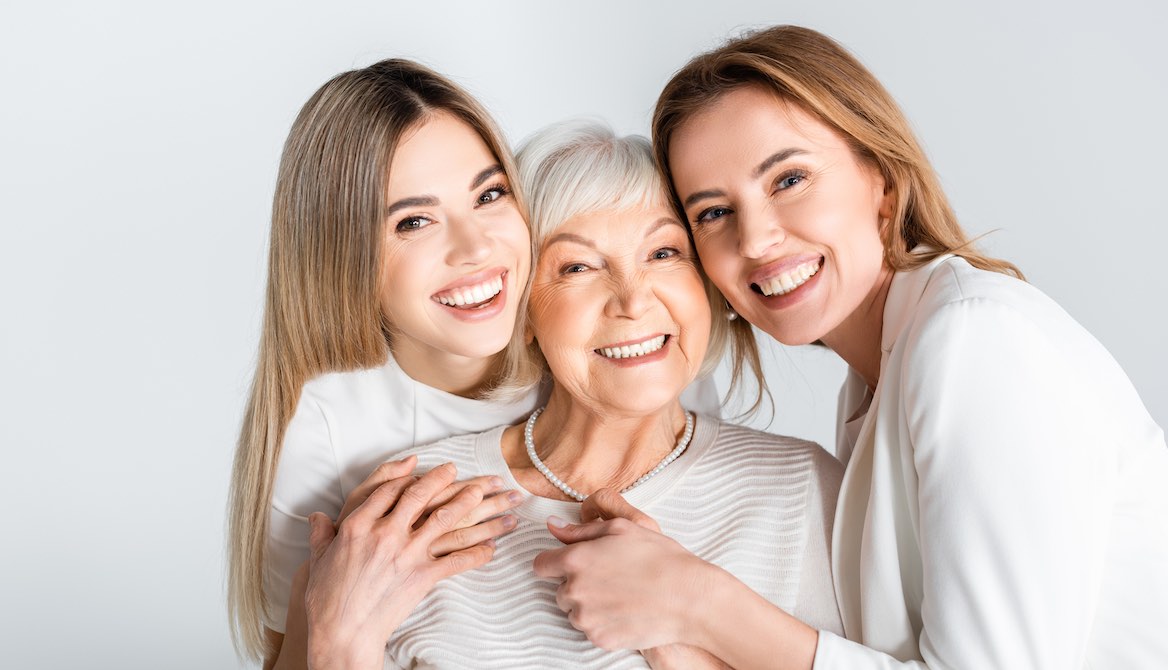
(474,296)
(788,281)
(635,350)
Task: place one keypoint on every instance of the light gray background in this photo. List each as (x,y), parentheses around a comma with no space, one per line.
(138,155)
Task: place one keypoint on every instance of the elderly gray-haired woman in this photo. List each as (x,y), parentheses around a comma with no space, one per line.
(620,316)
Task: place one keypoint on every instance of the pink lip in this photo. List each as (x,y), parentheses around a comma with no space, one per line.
(472,279)
(772,270)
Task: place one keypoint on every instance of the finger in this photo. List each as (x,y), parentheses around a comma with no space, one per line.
(552,563)
(487,483)
(463,538)
(381,501)
(320,535)
(571,533)
(461,561)
(608,504)
(387,471)
(445,518)
(417,496)
(491,506)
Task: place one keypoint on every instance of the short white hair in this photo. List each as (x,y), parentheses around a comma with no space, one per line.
(580,167)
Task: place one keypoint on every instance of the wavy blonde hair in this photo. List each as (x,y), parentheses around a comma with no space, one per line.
(321,311)
(808,69)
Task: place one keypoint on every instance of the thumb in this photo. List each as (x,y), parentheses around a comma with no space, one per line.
(571,533)
(607,504)
(320,535)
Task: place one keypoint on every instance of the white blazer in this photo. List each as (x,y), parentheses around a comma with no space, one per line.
(1006,501)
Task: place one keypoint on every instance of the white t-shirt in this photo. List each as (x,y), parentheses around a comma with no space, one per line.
(347,423)
(756,504)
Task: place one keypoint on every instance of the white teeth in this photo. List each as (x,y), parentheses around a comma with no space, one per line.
(634,350)
(472,295)
(789,280)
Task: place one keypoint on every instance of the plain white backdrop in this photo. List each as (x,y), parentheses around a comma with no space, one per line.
(138,151)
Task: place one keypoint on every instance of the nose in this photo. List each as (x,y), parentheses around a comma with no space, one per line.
(632,296)
(469,242)
(758,232)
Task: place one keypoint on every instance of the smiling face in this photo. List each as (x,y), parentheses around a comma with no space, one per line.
(456,252)
(785,217)
(619,311)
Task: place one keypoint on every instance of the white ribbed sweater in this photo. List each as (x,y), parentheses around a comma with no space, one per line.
(756,504)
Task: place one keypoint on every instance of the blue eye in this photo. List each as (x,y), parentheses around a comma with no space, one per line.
(412,223)
(712,214)
(790,180)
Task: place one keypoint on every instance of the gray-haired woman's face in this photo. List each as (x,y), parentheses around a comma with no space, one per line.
(618,308)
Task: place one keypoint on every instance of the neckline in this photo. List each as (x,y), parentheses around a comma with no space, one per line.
(489,457)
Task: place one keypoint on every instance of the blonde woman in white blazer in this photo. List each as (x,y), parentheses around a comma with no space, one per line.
(1005,502)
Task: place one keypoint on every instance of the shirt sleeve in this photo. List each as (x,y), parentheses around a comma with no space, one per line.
(1014,482)
(307,481)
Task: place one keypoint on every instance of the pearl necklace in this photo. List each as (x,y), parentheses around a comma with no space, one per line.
(529,440)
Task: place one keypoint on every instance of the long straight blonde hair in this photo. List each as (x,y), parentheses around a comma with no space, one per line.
(813,72)
(321,311)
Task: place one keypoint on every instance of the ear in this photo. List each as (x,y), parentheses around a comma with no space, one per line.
(528,334)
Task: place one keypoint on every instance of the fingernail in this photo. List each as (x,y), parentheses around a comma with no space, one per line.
(515,497)
(496,483)
(557,522)
(510,521)
(490,543)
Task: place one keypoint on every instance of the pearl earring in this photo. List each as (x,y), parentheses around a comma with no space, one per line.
(731,315)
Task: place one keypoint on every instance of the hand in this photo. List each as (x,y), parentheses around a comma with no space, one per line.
(682,657)
(469,530)
(368,575)
(625,585)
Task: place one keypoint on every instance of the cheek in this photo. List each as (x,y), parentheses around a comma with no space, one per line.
(555,315)
(720,261)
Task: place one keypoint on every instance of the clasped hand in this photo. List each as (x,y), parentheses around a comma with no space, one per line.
(624,584)
(397,536)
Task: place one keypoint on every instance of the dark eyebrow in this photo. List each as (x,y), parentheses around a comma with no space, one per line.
(701,195)
(485,175)
(569,237)
(777,157)
(416,201)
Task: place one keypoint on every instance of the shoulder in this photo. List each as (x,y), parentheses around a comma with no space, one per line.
(366,386)
(964,310)
(747,448)
(461,450)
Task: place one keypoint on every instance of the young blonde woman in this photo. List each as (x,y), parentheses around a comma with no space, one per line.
(398,261)
(1004,503)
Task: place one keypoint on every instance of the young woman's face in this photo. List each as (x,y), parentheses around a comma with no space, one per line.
(457,250)
(619,310)
(785,218)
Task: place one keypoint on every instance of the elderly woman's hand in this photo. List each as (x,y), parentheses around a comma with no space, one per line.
(625,585)
(368,575)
